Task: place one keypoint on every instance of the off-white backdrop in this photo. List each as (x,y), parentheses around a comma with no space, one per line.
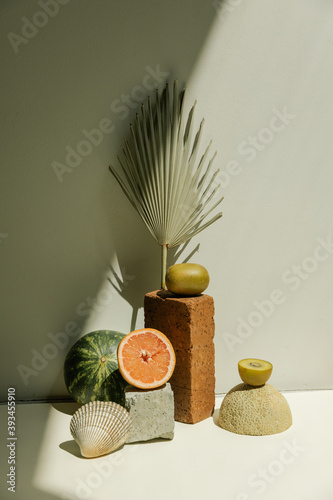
(76,257)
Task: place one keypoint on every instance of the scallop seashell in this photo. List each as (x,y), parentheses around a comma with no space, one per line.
(100,427)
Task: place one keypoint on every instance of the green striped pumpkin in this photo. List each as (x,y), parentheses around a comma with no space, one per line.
(91,368)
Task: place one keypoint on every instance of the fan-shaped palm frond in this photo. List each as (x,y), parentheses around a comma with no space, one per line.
(172,192)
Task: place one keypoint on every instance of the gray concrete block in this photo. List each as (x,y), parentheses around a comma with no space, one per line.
(152,413)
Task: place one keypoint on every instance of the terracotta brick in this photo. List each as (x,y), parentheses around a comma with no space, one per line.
(188,322)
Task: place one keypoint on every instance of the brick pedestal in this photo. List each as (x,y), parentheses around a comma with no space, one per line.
(188,322)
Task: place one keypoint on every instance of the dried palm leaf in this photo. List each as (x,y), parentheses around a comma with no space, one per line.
(170,190)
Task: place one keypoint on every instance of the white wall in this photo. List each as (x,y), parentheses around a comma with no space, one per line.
(246,63)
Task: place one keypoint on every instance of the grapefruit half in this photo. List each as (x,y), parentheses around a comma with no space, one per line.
(146,358)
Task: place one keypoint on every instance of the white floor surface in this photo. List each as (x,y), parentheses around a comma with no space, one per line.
(202,462)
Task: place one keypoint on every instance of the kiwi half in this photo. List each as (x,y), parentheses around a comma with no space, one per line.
(254,371)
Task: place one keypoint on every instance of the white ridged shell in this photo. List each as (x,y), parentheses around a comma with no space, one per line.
(100,427)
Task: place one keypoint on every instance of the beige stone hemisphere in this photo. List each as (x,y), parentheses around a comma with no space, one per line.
(255,411)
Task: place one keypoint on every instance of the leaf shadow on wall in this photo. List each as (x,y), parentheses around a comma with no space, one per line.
(128,286)
(74,67)
(102,229)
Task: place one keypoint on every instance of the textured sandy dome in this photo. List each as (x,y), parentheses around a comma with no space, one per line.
(255,411)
